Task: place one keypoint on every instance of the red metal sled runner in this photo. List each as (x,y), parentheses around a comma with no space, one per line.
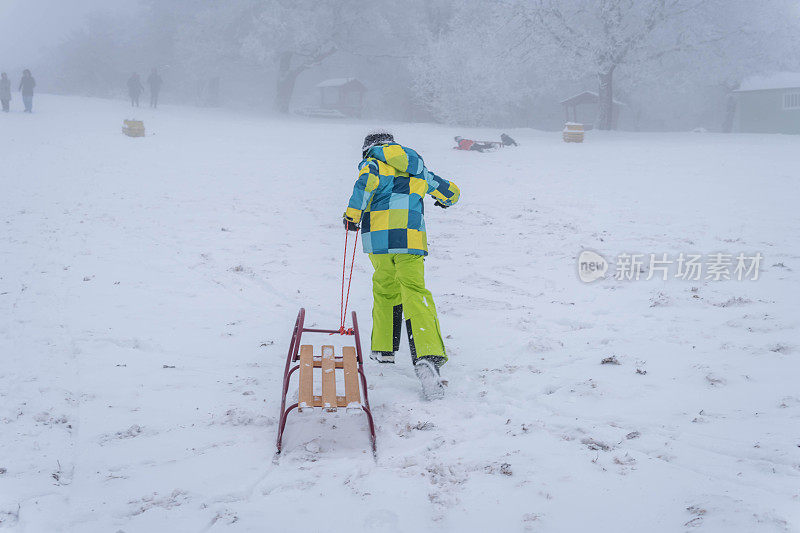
(350,362)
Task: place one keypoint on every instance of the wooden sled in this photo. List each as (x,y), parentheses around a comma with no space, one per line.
(133,128)
(573,132)
(350,363)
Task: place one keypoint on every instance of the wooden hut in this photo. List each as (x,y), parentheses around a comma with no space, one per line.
(769,104)
(589,98)
(345,95)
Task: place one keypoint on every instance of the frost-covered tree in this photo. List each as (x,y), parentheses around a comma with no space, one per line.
(97,58)
(474,70)
(94,60)
(699,79)
(604,34)
(505,62)
(288,37)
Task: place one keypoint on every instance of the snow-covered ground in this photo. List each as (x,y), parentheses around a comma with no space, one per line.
(149,286)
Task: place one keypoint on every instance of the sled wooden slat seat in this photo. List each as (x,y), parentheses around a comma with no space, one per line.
(328,379)
(306,393)
(352,393)
(301,358)
(328,363)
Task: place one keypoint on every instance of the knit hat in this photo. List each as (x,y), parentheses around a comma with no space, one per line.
(376,138)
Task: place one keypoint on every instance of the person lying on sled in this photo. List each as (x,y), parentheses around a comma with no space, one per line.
(388,203)
(478,146)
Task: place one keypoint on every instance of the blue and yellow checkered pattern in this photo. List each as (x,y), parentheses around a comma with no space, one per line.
(388,200)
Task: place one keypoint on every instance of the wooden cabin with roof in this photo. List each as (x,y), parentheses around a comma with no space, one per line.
(768,104)
(587,118)
(342,95)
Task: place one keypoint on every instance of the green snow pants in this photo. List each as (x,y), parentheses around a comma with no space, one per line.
(398,287)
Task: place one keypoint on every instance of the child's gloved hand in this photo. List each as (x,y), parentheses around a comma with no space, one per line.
(440,204)
(350,225)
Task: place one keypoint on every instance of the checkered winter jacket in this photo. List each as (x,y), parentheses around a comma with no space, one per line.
(388,200)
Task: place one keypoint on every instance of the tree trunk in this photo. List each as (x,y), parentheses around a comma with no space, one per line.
(605,102)
(287,76)
(283,96)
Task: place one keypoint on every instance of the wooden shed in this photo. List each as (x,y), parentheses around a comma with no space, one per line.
(345,95)
(768,104)
(588,98)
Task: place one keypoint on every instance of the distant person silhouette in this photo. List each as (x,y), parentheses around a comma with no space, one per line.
(135,89)
(26,86)
(5,91)
(155,82)
(507,140)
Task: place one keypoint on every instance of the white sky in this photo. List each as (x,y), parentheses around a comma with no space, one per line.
(28,26)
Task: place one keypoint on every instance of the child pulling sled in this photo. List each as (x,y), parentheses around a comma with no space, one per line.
(387,206)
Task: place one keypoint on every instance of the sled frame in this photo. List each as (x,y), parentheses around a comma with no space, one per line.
(294,356)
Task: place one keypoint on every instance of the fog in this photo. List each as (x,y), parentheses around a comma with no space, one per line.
(668,64)
(586,208)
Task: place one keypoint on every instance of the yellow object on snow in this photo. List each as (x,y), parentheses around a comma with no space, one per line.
(133,128)
(573,132)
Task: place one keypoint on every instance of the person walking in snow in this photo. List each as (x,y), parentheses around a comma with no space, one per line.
(387,206)
(135,89)
(5,91)
(26,85)
(155,82)
(507,140)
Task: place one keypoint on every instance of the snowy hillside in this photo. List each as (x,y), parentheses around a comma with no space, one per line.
(149,287)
